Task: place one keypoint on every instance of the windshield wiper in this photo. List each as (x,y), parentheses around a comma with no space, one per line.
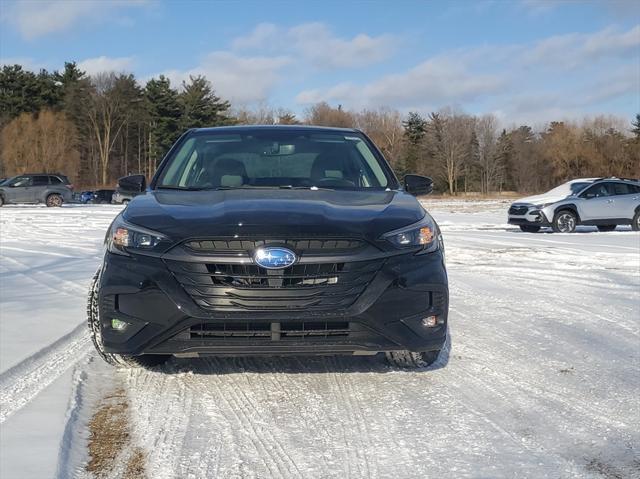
(244,187)
(312,188)
(270,187)
(183,188)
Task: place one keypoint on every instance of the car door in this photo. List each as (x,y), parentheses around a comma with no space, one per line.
(38,188)
(627,199)
(597,202)
(18,189)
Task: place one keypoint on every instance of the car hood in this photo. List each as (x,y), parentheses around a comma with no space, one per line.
(289,213)
(541,199)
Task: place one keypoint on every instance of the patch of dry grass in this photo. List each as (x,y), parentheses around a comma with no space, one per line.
(110,440)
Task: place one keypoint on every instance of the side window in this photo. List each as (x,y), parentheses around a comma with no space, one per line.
(40,181)
(21,181)
(55,180)
(625,189)
(597,191)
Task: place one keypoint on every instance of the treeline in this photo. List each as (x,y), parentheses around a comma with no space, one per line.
(96,129)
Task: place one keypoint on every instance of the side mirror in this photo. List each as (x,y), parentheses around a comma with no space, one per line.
(134,183)
(418,185)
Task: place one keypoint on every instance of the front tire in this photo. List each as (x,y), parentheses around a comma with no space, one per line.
(635,223)
(564,221)
(412,360)
(605,228)
(529,228)
(118,360)
(54,200)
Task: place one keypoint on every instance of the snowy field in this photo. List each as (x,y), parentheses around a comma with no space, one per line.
(542,378)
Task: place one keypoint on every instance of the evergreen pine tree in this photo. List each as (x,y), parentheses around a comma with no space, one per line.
(25,92)
(164,111)
(473,170)
(504,153)
(415,128)
(200,105)
(636,126)
(287,118)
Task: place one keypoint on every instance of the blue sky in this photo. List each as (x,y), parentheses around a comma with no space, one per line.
(524,61)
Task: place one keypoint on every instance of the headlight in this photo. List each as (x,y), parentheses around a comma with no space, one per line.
(124,238)
(543,205)
(424,233)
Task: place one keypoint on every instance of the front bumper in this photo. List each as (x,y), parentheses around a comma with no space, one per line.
(533,217)
(163,317)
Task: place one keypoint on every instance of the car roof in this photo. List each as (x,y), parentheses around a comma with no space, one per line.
(615,178)
(250,128)
(40,174)
(607,178)
(583,180)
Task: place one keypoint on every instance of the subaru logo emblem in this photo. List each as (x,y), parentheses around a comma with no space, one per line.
(274,258)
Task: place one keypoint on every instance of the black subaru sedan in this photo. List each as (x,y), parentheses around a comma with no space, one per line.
(272,240)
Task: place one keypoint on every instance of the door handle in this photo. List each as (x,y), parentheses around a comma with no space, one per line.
(610,201)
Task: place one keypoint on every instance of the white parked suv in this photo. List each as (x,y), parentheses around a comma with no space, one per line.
(602,202)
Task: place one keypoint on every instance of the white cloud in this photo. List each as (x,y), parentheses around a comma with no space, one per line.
(35,19)
(316,44)
(261,36)
(577,72)
(624,9)
(106,64)
(236,78)
(432,83)
(574,49)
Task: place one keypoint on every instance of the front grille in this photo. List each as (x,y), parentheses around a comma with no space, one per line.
(518,210)
(276,331)
(312,286)
(308,246)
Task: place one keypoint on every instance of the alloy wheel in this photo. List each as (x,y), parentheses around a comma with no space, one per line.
(566,223)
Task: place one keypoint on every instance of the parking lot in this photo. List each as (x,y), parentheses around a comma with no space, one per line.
(540,379)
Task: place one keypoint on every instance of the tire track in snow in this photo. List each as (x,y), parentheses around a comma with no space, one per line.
(274,378)
(162,409)
(245,409)
(358,438)
(24,381)
(69,287)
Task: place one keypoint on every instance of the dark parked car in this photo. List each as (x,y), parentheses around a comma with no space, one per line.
(102,196)
(52,190)
(272,241)
(86,197)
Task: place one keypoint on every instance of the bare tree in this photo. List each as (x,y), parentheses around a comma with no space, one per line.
(384,127)
(449,135)
(322,114)
(107,113)
(46,142)
(491,167)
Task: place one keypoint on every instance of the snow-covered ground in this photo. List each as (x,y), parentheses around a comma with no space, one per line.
(542,378)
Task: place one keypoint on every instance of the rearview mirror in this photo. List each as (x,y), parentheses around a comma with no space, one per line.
(418,185)
(134,183)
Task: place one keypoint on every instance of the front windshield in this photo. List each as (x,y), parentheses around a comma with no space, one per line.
(273,159)
(568,189)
